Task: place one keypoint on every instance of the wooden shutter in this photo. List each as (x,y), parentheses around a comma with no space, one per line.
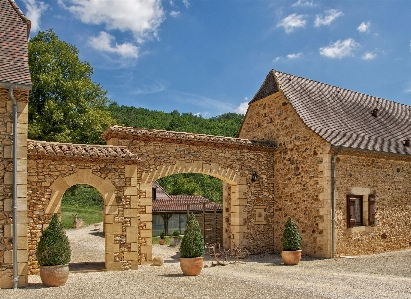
(371,209)
(350,211)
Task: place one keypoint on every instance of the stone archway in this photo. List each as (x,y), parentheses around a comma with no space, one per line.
(54,167)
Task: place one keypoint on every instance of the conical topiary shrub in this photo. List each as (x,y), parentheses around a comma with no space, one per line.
(291,238)
(192,244)
(54,247)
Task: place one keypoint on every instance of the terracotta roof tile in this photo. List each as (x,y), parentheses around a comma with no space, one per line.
(14,28)
(182,137)
(344,117)
(179,203)
(54,150)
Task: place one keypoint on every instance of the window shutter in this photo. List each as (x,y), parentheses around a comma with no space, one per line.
(350,211)
(371,209)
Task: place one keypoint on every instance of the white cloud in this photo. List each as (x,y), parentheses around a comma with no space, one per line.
(141,17)
(364,27)
(186,3)
(294,56)
(174,13)
(106,43)
(339,49)
(303,3)
(369,56)
(292,22)
(242,109)
(34,11)
(276,59)
(330,16)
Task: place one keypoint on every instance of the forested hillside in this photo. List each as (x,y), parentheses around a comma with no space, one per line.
(227,124)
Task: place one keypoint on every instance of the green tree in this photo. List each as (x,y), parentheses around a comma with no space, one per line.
(65,105)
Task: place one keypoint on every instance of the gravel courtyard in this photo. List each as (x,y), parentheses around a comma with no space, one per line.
(386,275)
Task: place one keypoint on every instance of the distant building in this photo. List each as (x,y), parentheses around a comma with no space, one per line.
(170,211)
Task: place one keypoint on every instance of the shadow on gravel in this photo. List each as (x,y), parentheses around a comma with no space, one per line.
(97,233)
(87,267)
(172,275)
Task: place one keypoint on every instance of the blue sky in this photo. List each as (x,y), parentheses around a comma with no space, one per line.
(209,57)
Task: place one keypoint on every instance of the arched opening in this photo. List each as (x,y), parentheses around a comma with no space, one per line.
(82,216)
(177,195)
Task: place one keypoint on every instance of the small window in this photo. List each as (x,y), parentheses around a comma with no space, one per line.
(354,210)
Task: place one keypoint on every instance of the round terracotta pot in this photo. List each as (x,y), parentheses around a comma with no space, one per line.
(161,241)
(191,266)
(291,257)
(54,276)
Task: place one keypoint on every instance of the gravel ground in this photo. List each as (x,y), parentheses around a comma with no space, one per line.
(386,275)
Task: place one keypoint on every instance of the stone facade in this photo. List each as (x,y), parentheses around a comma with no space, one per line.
(6,178)
(301,172)
(247,202)
(53,168)
(386,176)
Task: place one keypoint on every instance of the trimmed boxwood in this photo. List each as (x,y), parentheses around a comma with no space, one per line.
(192,244)
(54,247)
(291,238)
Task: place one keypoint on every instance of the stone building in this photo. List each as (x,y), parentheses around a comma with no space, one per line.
(342,166)
(15,84)
(337,161)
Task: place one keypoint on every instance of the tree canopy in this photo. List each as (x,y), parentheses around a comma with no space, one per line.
(65,105)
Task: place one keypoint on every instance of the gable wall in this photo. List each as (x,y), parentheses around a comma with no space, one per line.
(389,178)
(301,172)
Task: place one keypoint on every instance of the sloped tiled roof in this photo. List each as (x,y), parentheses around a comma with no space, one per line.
(55,150)
(14,30)
(344,117)
(182,137)
(160,192)
(179,203)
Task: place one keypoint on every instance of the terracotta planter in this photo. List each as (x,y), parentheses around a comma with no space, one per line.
(191,266)
(54,276)
(161,241)
(175,241)
(291,257)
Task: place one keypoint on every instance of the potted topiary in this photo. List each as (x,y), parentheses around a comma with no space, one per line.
(175,238)
(53,254)
(291,240)
(192,248)
(162,239)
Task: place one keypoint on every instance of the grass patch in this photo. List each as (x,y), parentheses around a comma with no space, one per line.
(90,214)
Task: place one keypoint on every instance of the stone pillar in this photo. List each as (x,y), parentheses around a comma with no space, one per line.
(146,221)
(238,215)
(6,209)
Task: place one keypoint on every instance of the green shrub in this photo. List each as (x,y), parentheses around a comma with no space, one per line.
(54,247)
(162,234)
(176,233)
(192,244)
(291,238)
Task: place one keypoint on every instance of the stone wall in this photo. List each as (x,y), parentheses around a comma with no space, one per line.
(388,177)
(247,213)
(301,172)
(50,175)
(6,179)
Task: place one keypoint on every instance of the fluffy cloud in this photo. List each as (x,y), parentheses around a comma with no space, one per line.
(292,22)
(106,43)
(369,56)
(141,17)
(303,3)
(364,27)
(242,109)
(339,49)
(330,16)
(174,13)
(294,56)
(34,11)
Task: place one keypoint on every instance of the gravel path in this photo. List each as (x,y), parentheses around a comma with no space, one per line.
(386,275)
